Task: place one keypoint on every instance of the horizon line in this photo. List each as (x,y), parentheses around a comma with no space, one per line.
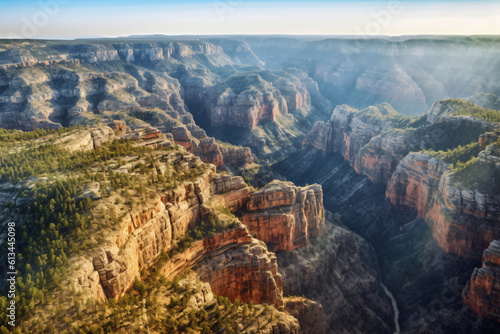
(363,36)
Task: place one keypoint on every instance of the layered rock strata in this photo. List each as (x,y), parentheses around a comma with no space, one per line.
(286,217)
(463,221)
(235,264)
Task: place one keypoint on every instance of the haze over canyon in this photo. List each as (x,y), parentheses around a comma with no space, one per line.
(252,184)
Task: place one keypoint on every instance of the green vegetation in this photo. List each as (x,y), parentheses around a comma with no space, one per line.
(10,136)
(50,160)
(243,82)
(158,305)
(465,108)
(457,156)
(207,228)
(55,227)
(384,113)
(56,222)
(467,171)
(53,223)
(481,176)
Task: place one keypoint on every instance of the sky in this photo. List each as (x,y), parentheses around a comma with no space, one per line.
(112,18)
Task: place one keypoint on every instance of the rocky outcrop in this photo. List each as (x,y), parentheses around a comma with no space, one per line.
(247,109)
(211,151)
(463,221)
(248,273)
(86,140)
(310,315)
(482,292)
(248,100)
(354,135)
(235,264)
(415,180)
(379,158)
(344,133)
(286,217)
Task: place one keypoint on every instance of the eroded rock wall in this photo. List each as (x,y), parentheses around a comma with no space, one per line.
(286,217)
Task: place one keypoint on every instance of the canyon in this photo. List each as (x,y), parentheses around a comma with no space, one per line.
(251,188)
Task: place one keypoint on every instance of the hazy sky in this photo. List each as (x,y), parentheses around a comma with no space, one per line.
(73,18)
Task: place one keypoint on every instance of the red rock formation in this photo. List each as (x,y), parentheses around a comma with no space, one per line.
(248,100)
(285,216)
(236,156)
(482,292)
(249,273)
(231,192)
(118,126)
(379,158)
(346,133)
(414,180)
(235,264)
(245,110)
(488,138)
(210,151)
(463,221)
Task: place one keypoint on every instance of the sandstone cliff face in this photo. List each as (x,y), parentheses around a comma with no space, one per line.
(246,109)
(464,221)
(249,273)
(285,216)
(379,158)
(414,181)
(482,292)
(235,264)
(209,150)
(373,147)
(358,140)
(247,100)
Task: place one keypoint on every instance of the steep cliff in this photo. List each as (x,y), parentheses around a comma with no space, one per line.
(157,227)
(210,150)
(355,134)
(374,143)
(245,101)
(286,217)
(338,271)
(248,273)
(463,217)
